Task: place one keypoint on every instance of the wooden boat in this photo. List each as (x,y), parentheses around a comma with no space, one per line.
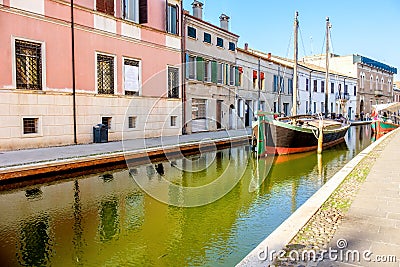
(298,133)
(383,124)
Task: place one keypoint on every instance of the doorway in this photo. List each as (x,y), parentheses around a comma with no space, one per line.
(219,114)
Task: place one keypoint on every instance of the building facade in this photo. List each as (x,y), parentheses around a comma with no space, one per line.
(374,79)
(126,74)
(211,73)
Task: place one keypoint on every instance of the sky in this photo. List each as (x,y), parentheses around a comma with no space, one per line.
(369,28)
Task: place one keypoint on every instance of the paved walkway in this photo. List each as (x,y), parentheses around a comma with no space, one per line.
(21,157)
(372,224)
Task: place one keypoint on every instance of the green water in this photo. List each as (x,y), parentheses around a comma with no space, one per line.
(107,220)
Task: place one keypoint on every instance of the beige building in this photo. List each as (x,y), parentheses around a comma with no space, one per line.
(375,79)
(211,73)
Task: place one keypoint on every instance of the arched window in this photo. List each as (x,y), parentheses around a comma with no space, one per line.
(371,83)
(389,86)
(376,83)
(362,77)
(382,82)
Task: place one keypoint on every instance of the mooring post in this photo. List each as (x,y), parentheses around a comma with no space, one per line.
(320,136)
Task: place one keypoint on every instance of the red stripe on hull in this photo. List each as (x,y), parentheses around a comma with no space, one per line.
(289,150)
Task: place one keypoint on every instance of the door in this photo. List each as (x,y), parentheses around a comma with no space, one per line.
(199,115)
(219,114)
(247,114)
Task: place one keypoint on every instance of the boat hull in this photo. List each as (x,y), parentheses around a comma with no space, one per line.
(382,127)
(281,138)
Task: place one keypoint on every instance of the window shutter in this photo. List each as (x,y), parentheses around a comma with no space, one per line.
(226,74)
(214,71)
(109,7)
(177,19)
(237,76)
(200,69)
(142,11)
(100,5)
(187,67)
(166,16)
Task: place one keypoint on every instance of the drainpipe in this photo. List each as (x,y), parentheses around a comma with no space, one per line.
(183,59)
(310,96)
(259,83)
(73,70)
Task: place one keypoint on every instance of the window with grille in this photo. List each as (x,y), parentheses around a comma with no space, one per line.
(28,59)
(131,122)
(220,42)
(106,121)
(192,32)
(173,121)
(173,82)
(30,125)
(105,74)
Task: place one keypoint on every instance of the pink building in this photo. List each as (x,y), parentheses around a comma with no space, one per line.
(127,70)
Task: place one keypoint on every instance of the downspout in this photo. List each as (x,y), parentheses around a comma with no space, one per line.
(310,96)
(259,83)
(73,70)
(183,60)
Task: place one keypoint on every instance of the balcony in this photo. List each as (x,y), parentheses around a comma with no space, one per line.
(378,93)
(344,96)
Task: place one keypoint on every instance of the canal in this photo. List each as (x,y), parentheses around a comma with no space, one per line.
(106,219)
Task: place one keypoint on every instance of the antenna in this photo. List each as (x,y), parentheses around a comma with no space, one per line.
(312,45)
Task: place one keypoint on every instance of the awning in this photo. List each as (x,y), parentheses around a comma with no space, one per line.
(392,107)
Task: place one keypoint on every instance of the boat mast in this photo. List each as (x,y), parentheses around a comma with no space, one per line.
(328,26)
(295,82)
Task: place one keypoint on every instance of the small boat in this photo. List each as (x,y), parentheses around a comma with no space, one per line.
(298,133)
(382,124)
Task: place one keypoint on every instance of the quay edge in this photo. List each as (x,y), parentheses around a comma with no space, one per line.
(282,235)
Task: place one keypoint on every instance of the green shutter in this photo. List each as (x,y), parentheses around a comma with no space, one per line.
(200,69)
(237,76)
(187,65)
(214,71)
(226,74)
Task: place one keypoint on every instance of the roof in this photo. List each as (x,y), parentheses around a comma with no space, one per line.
(392,107)
(374,63)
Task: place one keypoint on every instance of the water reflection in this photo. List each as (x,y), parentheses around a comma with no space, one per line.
(110,221)
(35,242)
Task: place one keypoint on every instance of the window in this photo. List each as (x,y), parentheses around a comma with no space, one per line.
(332,88)
(315,85)
(315,107)
(106,121)
(290,86)
(131,77)
(132,122)
(105,6)
(173,121)
(255,79)
(331,107)
(322,86)
(232,75)
(306,84)
(191,67)
(172,19)
(207,71)
(262,105)
(30,125)
(207,38)
(322,107)
(220,42)
(192,32)
(240,73)
(346,89)
(262,80)
(28,64)
(220,73)
(232,46)
(306,106)
(276,83)
(105,74)
(173,82)
(282,85)
(376,83)
(286,109)
(275,107)
(131,10)
(355,90)
(362,78)
(382,82)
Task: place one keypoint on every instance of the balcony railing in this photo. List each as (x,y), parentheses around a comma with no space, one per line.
(342,96)
(378,93)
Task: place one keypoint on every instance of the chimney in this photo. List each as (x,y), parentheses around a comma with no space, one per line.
(246,46)
(224,19)
(269,55)
(197,9)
